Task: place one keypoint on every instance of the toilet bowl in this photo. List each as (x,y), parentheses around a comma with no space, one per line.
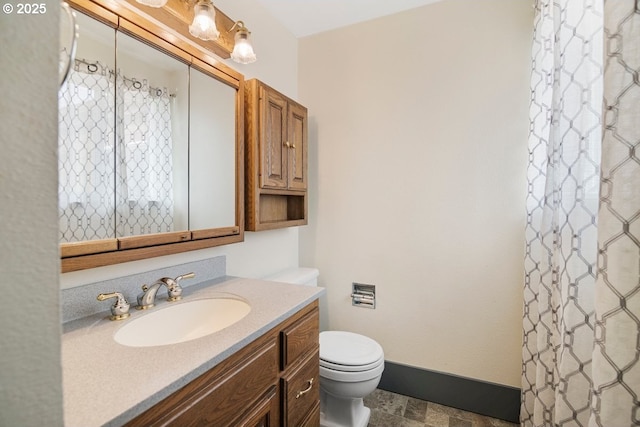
(351,366)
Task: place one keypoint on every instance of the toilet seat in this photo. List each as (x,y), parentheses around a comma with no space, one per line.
(351,376)
(349,357)
(350,368)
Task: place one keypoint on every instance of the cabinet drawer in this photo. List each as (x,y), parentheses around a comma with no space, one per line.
(300,338)
(301,392)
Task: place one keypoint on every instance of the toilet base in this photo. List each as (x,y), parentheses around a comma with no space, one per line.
(341,412)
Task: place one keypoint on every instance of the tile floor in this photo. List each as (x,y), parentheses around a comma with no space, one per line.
(395,410)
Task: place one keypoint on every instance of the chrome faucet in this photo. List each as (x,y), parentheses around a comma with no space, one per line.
(147,298)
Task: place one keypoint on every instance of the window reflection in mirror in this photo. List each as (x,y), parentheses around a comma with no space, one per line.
(152,94)
(212,125)
(86,150)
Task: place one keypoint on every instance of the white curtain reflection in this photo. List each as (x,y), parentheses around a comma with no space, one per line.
(144,169)
(85,153)
(142,175)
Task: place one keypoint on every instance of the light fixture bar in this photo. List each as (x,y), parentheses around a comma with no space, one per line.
(153,3)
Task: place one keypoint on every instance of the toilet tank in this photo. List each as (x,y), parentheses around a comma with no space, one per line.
(297,276)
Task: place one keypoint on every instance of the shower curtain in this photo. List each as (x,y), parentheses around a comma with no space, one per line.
(581,335)
(140,168)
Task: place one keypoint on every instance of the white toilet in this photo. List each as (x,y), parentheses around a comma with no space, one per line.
(351,366)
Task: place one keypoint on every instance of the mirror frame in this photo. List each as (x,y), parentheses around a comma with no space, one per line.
(158,33)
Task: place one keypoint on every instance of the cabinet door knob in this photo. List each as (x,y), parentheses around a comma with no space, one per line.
(287,144)
(293,146)
(306,390)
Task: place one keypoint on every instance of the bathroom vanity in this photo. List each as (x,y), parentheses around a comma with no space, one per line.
(260,371)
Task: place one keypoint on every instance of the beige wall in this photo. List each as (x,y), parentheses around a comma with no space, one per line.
(261,253)
(417,166)
(30,373)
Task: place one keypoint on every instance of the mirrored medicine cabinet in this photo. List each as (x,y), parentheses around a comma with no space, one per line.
(150,145)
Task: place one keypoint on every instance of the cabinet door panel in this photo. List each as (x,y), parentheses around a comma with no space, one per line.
(216,400)
(265,412)
(297,170)
(273,150)
(313,420)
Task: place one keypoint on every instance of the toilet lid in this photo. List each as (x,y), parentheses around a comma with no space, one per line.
(349,350)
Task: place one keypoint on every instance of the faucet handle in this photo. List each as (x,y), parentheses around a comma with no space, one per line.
(120,309)
(185,276)
(174,290)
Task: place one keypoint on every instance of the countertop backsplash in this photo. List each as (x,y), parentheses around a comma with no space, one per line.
(81,301)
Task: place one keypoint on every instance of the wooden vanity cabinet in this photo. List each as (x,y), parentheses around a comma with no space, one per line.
(277,150)
(272,382)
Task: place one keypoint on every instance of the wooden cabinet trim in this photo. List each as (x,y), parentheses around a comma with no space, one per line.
(86,248)
(131,242)
(96,11)
(115,257)
(214,232)
(153,40)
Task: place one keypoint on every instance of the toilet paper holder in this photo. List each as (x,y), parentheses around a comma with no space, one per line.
(363,295)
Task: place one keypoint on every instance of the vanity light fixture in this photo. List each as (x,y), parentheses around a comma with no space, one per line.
(204,27)
(153,3)
(204,21)
(242,50)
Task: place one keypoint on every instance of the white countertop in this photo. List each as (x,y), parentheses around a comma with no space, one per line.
(105,383)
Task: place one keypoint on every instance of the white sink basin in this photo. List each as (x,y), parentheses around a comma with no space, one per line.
(182,322)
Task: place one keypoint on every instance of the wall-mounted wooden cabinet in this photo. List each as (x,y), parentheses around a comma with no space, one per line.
(276,145)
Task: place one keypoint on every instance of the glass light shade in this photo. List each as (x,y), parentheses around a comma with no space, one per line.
(242,50)
(153,3)
(204,21)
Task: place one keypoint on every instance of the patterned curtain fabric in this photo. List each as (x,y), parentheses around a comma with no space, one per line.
(86,154)
(142,177)
(582,267)
(144,168)
(616,366)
